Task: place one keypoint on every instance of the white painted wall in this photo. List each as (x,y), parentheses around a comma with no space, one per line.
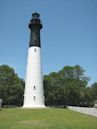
(34,77)
(86,110)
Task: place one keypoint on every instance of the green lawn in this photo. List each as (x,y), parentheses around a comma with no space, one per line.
(45,119)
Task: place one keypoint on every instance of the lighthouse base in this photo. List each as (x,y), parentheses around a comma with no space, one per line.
(34,107)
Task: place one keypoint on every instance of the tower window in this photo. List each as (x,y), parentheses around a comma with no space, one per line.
(34,98)
(35,50)
(34,88)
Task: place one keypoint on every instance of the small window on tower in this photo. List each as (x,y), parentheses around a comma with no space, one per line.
(34,98)
(35,50)
(34,88)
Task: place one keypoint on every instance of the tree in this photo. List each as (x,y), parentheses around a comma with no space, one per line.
(94,91)
(11,86)
(65,87)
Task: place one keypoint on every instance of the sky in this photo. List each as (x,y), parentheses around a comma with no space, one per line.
(68,37)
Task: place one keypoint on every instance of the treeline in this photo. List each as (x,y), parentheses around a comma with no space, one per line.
(69,86)
(11,87)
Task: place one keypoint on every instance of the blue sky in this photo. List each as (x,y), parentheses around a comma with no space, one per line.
(68,37)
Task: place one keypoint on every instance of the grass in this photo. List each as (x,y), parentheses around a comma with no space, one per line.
(45,119)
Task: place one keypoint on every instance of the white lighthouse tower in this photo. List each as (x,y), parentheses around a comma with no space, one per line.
(34,92)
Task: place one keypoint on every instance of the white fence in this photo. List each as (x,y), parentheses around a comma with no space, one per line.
(88,111)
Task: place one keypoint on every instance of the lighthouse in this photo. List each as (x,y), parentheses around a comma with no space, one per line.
(34,92)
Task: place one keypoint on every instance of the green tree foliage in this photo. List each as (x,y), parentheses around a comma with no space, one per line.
(11,86)
(66,87)
(69,86)
(94,91)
